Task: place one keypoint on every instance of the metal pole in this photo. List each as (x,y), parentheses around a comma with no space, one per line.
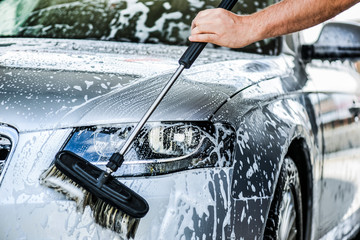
(152,108)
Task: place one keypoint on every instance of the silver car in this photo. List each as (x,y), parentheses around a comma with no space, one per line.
(255,143)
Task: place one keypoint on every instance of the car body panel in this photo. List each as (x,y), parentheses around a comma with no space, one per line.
(67,92)
(209,90)
(340,183)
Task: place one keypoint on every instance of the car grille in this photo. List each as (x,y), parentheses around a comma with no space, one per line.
(5,147)
(8,141)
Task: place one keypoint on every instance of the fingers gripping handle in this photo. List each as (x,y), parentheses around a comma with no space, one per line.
(195,48)
(191,53)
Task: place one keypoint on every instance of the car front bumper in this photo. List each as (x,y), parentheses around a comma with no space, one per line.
(192,204)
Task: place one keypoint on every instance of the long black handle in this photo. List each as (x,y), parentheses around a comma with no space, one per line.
(185,61)
(195,48)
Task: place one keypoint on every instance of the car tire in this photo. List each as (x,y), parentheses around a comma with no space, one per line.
(285,219)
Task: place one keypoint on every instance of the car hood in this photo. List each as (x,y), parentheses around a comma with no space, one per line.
(48,84)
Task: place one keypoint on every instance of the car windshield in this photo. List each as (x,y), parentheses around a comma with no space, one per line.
(147,21)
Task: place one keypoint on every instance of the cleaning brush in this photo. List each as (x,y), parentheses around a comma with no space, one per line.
(108,214)
(114,205)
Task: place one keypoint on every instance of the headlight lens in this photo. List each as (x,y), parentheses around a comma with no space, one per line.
(168,141)
(160,147)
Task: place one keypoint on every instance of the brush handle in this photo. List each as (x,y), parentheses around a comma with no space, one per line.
(195,48)
(117,158)
(185,61)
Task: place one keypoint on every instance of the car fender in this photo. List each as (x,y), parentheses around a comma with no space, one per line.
(267,122)
(263,139)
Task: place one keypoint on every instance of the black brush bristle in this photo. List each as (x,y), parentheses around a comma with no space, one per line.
(112,192)
(114,205)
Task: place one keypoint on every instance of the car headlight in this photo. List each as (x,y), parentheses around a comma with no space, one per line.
(159,148)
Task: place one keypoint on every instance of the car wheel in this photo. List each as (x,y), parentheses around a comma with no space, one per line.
(285,217)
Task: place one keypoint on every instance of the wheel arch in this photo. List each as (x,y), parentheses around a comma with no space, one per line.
(291,137)
(299,152)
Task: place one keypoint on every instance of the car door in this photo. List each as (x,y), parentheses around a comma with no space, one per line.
(338,87)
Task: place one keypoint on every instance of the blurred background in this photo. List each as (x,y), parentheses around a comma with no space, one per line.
(352,14)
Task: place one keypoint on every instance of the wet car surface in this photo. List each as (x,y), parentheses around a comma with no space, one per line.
(242,142)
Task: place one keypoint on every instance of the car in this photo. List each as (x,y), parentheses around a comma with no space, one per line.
(255,143)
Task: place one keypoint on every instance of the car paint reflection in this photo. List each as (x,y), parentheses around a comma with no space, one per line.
(341,134)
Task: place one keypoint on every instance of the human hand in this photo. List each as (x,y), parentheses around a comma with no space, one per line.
(222,27)
(357,66)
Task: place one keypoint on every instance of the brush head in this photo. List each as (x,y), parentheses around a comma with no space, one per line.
(112,218)
(111,192)
(103,213)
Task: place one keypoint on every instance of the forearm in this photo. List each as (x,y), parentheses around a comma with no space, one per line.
(227,29)
(290,16)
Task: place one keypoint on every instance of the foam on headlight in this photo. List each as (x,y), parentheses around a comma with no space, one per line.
(175,140)
(160,147)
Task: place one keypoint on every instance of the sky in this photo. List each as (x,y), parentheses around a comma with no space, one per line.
(350,14)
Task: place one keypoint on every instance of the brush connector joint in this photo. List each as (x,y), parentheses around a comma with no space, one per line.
(115,161)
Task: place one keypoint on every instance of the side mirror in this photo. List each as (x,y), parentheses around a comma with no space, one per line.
(337,41)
